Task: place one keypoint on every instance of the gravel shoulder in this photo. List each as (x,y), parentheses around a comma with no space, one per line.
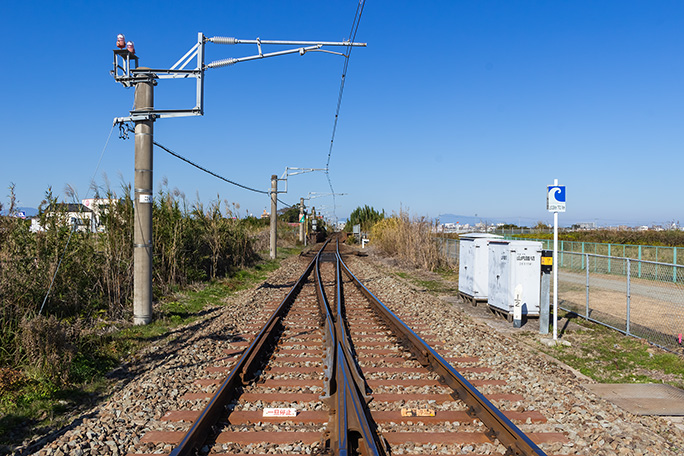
(593,425)
(155,381)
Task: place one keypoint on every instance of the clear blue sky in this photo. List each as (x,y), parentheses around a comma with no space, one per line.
(461,107)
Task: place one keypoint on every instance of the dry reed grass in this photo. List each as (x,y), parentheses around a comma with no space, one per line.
(410,240)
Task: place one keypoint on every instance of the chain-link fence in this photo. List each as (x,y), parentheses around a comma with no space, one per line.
(639,298)
(636,297)
(655,253)
(450,249)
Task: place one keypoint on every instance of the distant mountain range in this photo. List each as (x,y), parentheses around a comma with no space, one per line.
(29,211)
(473,220)
(565,222)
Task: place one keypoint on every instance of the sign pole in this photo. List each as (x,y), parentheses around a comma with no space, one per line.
(555,271)
(555,202)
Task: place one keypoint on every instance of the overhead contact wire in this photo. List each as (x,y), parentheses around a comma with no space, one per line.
(352,38)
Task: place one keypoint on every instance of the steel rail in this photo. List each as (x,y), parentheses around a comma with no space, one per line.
(351,429)
(499,426)
(241,374)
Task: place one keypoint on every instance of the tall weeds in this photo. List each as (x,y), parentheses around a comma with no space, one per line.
(93,277)
(410,239)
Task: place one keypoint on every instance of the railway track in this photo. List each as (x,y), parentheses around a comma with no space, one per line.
(330,369)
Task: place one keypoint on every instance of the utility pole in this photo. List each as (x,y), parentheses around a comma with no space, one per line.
(125,70)
(301,220)
(142,226)
(274,208)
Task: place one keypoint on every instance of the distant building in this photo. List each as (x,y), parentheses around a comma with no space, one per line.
(454,228)
(99,207)
(83,217)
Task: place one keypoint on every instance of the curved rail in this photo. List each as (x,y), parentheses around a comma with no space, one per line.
(351,427)
(499,426)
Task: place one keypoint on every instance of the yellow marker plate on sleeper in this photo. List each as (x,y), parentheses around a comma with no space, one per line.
(417,412)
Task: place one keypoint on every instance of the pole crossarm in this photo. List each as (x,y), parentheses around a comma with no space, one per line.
(259,42)
(127,72)
(313,195)
(288,173)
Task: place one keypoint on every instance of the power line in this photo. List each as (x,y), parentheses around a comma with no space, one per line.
(284,203)
(352,37)
(190,162)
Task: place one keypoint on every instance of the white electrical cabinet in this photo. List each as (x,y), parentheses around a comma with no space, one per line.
(514,268)
(472,270)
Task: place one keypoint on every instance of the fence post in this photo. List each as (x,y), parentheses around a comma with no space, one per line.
(639,260)
(674,261)
(609,259)
(629,283)
(587,269)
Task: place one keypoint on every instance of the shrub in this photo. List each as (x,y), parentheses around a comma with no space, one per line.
(90,275)
(408,239)
(47,347)
(365,216)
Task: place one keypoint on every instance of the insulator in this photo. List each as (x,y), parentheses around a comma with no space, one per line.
(130,47)
(120,41)
(222,63)
(223,40)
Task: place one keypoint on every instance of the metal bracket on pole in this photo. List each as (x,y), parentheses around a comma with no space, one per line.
(313,195)
(287,174)
(127,72)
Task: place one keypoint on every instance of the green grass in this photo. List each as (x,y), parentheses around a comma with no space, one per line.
(33,405)
(432,286)
(611,357)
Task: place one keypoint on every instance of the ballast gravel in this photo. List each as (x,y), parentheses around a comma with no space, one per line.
(157,379)
(592,425)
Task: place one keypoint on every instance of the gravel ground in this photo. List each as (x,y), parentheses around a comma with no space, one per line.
(156,380)
(593,426)
(152,383)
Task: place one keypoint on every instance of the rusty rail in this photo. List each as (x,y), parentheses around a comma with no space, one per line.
(351,429)
(499,426)
(241,374)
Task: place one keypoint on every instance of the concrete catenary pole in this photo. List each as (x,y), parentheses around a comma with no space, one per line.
(142,225)
(301,220)
(314,224)
(274,209)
